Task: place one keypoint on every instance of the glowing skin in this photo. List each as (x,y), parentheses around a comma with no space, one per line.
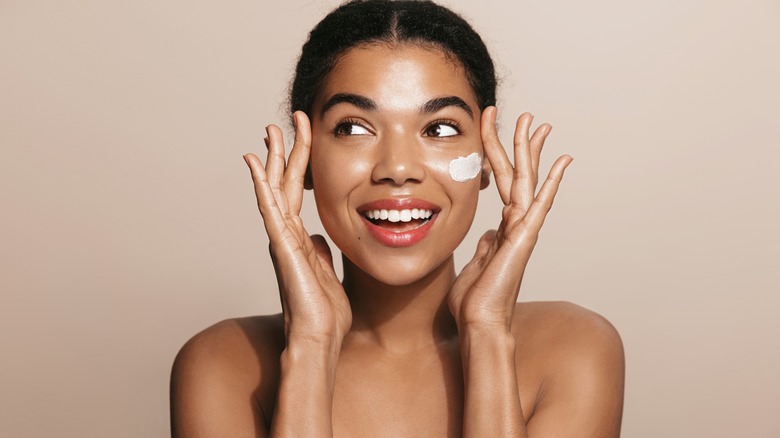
(443,353)
(386,125)
(463,169)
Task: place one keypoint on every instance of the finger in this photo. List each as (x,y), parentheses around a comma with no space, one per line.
(542,204)
(299,160)
(523,185)
(537,143)
(496,154)
(274,165)
(273,219)
(324,256)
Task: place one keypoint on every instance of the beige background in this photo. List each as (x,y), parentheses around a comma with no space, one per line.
(128,218)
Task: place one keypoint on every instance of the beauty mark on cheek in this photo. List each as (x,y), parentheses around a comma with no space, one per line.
(463,169)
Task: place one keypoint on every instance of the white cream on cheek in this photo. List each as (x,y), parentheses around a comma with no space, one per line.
(466,168)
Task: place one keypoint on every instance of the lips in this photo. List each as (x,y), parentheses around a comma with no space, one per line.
(398,222)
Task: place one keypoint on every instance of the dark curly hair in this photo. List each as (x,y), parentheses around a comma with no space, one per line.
(362,22)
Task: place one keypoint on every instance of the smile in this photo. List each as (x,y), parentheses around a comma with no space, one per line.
(398,222)
(406,215)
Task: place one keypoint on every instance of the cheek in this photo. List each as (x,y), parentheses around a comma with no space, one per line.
(459,168)
(457,174)
(334,170)
(335,174)
(466,168)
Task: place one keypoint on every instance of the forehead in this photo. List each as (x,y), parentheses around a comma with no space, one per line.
(397,76)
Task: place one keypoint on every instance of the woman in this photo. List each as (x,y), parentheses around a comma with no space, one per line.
(395,133)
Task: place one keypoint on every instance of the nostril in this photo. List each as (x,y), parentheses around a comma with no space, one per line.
(398,160)
(398,174)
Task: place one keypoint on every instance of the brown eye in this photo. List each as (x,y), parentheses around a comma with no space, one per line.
(345,129)
(441,130)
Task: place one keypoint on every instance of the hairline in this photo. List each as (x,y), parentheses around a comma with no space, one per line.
(393,42)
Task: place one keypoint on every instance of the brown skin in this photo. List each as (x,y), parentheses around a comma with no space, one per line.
(405,347)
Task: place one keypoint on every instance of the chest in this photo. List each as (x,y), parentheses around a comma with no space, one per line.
(414,396)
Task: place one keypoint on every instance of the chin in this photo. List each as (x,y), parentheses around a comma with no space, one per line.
(400,270)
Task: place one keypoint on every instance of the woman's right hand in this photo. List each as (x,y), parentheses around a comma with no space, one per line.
(314,304)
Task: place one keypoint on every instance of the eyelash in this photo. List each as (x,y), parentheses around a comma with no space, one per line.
(344,123)
(447,122)
(350,122)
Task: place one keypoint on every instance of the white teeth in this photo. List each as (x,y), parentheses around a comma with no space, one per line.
(399,215)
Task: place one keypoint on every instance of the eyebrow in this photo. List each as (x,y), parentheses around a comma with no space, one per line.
(359,101)
(438,103)
(367,104)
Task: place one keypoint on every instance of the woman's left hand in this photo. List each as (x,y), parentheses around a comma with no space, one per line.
(485,292)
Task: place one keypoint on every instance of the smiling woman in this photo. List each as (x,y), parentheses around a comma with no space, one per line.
(395,132)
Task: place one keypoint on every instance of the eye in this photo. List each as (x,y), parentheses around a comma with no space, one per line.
(442,129)
(350,128)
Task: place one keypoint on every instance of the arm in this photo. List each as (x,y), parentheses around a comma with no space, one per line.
(492,401)
(483,297)
(582,391)
(209,395)
(316,311)
(305,400)
(582,394)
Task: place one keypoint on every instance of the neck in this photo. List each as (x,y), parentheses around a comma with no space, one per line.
(401,318)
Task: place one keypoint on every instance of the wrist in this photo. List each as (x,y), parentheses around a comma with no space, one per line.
(314,335)
(320,348)
(497,342)
(484,329)
(306,382)
(487,335)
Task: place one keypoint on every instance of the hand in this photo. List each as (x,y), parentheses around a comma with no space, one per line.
(314,304)
(486,290)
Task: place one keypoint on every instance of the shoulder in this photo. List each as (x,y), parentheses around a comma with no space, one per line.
(565,326)
(562,334)
(231,340)
(226,373)
(577,356)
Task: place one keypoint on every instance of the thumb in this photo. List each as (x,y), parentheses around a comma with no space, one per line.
(483,248)
(322,250)
(485,243)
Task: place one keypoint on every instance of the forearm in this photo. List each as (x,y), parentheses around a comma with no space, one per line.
(492,401)
(305,396)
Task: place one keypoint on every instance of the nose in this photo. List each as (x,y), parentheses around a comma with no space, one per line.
(399,160)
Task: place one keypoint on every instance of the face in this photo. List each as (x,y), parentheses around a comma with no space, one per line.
(396,159)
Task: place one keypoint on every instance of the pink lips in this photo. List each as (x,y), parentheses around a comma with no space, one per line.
(395,239)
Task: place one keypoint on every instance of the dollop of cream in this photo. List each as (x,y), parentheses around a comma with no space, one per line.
(467,168)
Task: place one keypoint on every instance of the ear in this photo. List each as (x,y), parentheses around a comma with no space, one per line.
(307,178)
(484,179)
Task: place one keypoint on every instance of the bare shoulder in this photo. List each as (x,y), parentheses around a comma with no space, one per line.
(232,340)
(564,325)
(577,358)
(227,374)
